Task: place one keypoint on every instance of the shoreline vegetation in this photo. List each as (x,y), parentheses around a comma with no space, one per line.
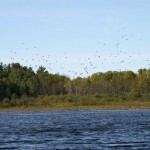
(23,89)
(72,102)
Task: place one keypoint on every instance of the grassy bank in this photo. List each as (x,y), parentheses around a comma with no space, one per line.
(76,102)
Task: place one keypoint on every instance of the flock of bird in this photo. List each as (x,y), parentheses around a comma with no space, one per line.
(82,64)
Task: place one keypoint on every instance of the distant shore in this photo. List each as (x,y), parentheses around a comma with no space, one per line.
(73,106)
(23,89)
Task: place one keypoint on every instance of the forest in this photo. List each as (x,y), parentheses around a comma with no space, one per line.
(19,82)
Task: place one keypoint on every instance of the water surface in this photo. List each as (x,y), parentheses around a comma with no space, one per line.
(75,129)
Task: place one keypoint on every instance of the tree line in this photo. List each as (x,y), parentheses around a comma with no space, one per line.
(18,81)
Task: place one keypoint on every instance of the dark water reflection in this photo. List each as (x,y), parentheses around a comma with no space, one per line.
(83,129)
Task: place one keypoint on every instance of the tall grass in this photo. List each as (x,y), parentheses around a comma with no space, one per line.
(78,101)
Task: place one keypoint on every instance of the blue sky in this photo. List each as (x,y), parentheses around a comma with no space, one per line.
(76,37)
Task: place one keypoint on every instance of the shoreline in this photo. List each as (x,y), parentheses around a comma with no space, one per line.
(98,107)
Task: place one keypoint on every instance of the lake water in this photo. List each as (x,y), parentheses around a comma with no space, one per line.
(75,129)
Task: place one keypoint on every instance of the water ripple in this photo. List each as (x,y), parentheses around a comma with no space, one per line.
(82,129)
